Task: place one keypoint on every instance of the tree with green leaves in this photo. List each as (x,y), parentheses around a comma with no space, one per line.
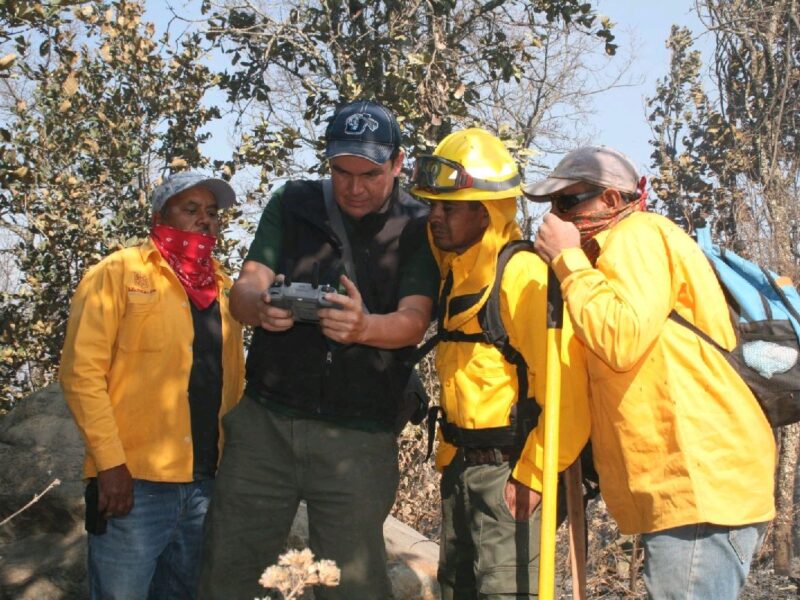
(97,112)
(733,157)
(695,151)
(437,64)
(755,68)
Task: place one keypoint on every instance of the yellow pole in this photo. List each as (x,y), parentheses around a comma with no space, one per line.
(552,405)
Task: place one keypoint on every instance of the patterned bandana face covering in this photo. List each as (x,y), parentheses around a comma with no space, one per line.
(189,255)
(592,222)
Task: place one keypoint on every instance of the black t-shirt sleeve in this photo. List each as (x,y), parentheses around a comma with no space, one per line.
(419,273)
(268,239)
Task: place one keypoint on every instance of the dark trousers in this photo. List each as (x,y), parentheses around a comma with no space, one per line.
(270,462)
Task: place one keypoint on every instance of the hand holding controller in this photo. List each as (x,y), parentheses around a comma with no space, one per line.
(303,299)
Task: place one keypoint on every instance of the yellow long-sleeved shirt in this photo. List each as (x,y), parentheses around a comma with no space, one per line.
(677,436)
(479,387)
(126,362)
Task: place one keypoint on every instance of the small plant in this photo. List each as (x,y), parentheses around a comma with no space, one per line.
(296,570)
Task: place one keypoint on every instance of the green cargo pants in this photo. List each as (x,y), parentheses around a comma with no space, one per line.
(484,553)
(347,477)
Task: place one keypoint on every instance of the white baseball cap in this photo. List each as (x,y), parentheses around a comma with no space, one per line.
(175,184)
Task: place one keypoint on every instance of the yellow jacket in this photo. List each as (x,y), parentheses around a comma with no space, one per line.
(126,362)
(677,436)
(478,387)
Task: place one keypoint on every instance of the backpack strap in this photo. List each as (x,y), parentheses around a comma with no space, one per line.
(696,330)
(337,224)
(492,321)
(493,330)
(525,413)
(782,295)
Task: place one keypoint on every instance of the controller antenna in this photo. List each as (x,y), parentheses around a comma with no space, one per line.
(315,276)
(287,279)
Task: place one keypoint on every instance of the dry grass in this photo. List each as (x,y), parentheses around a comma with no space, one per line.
(418,499)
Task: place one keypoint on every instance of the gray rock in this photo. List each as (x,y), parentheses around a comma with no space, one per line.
(43,549)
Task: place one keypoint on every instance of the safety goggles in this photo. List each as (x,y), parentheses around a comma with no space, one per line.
(438,174)
(566,202)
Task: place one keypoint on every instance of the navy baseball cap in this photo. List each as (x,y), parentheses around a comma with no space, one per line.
(179,182)
(362,128)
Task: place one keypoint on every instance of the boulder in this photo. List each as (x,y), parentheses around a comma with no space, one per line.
(43,549)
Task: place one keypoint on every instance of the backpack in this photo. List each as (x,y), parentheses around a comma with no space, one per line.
(765,311)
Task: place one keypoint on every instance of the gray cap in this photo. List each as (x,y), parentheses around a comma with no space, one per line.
(598,165)
(179,182)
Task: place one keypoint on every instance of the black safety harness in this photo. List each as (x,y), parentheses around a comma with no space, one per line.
(525,413)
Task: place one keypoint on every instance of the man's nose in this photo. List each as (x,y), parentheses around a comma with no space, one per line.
(436,212)
(204,220)
(356,185)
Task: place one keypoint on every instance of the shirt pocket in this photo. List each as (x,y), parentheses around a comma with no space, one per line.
(142,328)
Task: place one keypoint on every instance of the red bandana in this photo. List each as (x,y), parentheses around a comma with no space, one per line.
(189,255)
(590,223)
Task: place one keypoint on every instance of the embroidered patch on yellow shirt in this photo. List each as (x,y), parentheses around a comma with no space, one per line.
(141,284)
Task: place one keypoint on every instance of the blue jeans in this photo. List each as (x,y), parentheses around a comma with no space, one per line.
(699,562)
(154,551)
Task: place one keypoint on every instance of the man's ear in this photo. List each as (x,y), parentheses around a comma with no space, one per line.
(397,164)
(612,198)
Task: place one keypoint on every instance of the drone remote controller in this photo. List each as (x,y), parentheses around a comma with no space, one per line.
(303,299)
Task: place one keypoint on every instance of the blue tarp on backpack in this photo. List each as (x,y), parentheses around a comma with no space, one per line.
(751,286)
(765,310)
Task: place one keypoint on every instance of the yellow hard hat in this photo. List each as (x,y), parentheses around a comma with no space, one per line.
(471,164)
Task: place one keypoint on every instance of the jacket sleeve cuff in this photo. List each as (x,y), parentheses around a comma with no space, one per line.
(108,456)
(528,474)
(569,261)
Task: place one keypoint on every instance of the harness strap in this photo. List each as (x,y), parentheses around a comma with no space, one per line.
(524,416)
(525,413)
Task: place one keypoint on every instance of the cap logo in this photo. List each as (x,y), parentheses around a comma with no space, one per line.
(358,123)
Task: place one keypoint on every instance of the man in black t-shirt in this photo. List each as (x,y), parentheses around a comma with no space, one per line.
(316,422)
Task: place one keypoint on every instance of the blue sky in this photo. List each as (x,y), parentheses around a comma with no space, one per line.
(619,120)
